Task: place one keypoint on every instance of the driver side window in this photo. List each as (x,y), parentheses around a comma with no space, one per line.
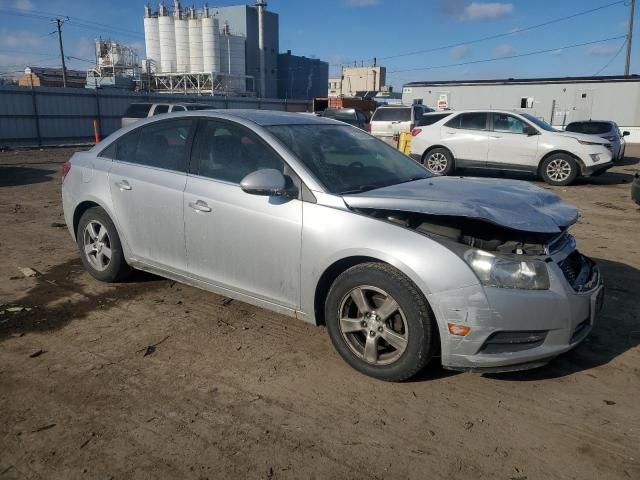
(503,122)
(228,152)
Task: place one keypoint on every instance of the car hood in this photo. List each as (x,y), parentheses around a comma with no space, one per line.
(509,203)
(585,137)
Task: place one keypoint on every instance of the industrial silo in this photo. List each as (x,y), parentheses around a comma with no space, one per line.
(181,27)
(195,42)
(167,41)
(152,37)
(210,43)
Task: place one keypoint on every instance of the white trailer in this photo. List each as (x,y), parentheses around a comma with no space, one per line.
(558,101)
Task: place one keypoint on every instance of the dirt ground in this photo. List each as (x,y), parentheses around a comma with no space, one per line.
(234,391)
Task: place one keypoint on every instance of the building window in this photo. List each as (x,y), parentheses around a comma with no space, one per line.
(526,102)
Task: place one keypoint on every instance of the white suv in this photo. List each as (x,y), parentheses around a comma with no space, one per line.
(390,120)
(507,140)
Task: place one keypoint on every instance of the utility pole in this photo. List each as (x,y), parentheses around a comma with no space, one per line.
(629,38)
(64,67)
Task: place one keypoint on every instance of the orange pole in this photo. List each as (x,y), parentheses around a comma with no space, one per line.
(95,131)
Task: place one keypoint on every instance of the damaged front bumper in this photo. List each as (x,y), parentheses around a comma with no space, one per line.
(520,329)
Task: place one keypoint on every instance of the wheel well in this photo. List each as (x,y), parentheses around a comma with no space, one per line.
(561,152)
(327,279)
(433,147)
(80,209)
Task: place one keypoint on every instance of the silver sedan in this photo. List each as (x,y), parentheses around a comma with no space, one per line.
(320,221)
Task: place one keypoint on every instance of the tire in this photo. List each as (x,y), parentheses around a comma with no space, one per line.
(98,238)
(362,337)
(559,169)
(438,161)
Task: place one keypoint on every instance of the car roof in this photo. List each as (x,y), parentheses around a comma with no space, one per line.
(260,117)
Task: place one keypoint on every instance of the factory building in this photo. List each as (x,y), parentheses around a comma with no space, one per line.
(301,77)
(225,49)
(355,80)
(558,101)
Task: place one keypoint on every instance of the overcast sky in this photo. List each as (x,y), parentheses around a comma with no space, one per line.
(339,31)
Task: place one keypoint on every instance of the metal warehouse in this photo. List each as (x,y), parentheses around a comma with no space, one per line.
(559,101)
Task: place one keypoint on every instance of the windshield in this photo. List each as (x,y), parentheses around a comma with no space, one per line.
(539,123)
(347,160)
(392,114)
(590,128)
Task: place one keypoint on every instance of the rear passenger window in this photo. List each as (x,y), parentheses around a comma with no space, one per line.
(161,109)
(228,152)
(178,108)
(161,144)
(469,121)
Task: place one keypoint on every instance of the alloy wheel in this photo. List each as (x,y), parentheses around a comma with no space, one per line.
(373,325)
(97,245)
(558,169)
(437,162)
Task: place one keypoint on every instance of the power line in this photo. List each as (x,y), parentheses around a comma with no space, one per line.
(612,59)
(494,37)
(509,57)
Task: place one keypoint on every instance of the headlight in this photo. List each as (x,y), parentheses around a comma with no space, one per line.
(585,142)
(505,272)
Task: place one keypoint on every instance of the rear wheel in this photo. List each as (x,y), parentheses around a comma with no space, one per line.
(559,169)
(438,161)
(379,322)
(100,247)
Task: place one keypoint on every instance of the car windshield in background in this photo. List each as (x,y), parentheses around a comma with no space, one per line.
(392,115)
(199,107)
(590,128)
(539,123)
(431,118)
(339,114)
(138,110)
(347,160)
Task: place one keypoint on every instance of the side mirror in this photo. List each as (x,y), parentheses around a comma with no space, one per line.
(267,182)
(530,131)
(626,133)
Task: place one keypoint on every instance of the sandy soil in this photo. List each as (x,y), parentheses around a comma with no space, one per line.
(233,391)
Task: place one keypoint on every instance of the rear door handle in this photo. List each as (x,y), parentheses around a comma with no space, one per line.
(123,185)
(200,206)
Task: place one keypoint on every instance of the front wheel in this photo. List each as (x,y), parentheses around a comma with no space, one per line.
(438,161)
(559,170)
(379,322)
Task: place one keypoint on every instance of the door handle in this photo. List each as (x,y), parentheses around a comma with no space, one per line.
(123,185)
(200,206)
(496,136)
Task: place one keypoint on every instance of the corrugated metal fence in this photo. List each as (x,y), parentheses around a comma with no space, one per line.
(46,116)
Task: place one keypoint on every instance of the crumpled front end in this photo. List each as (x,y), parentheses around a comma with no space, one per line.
(511,329)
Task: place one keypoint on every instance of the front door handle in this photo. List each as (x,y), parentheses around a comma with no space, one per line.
(123,185)
(200,206)
(496,136)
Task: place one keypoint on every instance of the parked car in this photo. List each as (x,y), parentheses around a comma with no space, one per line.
(507,140)
(391,120)
(318,220)
(138,110)
(351,116)
(603,128)
(635,189)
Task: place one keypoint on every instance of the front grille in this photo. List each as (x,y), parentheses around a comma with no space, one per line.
(515,341)
(581,273)
(571,267)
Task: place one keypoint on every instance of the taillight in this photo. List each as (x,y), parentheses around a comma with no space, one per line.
(369,127)
(66,168)
(412,126)
(415,131)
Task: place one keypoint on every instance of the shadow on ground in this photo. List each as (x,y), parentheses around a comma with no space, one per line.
(18,175)
(616,331)
(62,282)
